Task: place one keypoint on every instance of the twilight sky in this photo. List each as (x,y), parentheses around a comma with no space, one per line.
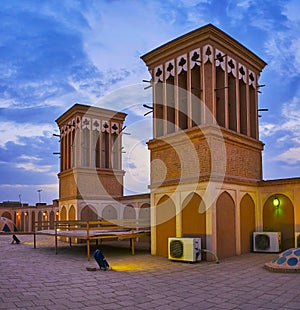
(59,52)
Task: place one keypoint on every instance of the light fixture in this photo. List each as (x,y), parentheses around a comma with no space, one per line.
(276,202)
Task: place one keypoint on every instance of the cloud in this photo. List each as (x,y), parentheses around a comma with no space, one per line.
(128,99)
(136,164)
(192,3)
(288,121)
(267,129)
(282,43)
(43,52)
(291,10)
(282,49)
(31,158)
(29,166)
(291,156)
(285,133)
(15,132)
(29,163)
(119,33)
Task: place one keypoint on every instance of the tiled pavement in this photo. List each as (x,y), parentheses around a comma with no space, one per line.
(39,279)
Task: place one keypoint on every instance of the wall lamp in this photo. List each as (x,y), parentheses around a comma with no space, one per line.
(276,202)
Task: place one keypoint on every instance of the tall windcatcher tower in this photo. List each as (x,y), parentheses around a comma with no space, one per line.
(205,136)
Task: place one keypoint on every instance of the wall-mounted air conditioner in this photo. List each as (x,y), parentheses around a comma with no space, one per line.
(267,242)
(184,249)
(297,239)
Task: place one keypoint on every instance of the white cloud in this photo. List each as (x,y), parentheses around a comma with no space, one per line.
(136,164)
(27,163)
(136,160)
(14,132)
(291,156)
(191,3)
(29,166)
(267,129)
(245,4)
(236,10)
(30,158)
(7,102)
(286,133)
(130,98)
(119,33)
(291,10)
(283,50)
(288,122)
(283,43)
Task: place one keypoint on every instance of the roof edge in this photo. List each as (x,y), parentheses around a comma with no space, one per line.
(207,31)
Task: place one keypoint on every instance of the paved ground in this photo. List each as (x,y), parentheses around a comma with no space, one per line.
(39,279)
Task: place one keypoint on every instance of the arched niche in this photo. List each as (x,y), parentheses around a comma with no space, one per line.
(109,213)
(247,223)
(129,212)
(194,218)
(40,219)
(88,213)
(225,221)
(281,219)
(33,218)
(7,215)
(165,224)
(52,219)
(63,213)
(144,212)
(72,213)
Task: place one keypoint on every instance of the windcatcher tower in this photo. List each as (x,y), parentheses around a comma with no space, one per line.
(90,158)
(205,120)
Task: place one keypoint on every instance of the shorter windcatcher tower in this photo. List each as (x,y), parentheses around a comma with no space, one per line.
(90,155)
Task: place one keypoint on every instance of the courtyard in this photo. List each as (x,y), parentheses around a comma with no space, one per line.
(40,279)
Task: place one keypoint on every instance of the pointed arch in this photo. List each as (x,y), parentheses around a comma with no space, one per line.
(40,218)
(72,213)
(225,221)
(33,218)
(165,224)
(88,213)
(109,213)
(52,219)
(129,212)
(7,215)
(26,221)
(194,218)
(280,219)
(22,221)
(144,212)
(63,213)
(247,223)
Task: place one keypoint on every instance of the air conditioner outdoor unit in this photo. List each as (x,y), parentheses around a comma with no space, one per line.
(297,239)
(267,242)
(184,249)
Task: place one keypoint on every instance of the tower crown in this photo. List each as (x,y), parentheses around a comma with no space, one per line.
(90,152)
(201,80)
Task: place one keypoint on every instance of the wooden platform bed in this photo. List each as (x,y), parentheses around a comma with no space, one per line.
(93,230)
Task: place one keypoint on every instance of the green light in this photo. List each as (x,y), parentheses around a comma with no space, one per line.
(276,202)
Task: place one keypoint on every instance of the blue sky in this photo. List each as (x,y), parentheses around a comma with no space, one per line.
(56,53)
